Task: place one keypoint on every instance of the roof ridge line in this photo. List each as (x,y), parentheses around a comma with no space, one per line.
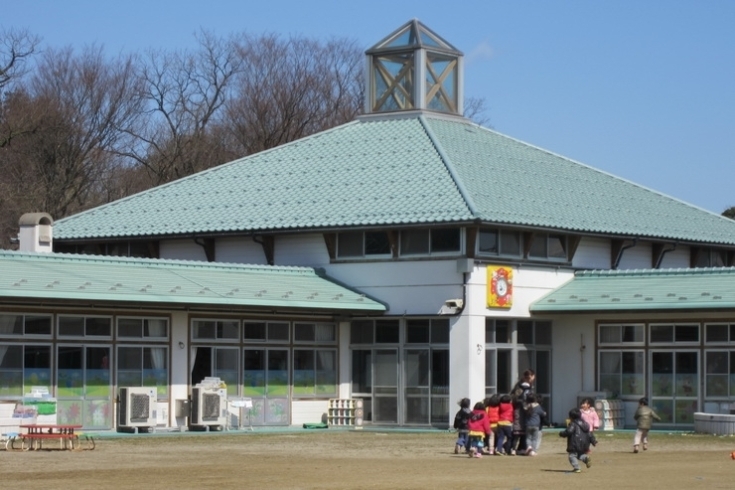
(449,166)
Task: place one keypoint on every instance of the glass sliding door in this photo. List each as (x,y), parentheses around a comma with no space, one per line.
(675,385)
(84,391)
(416,404)
(266,382)
(385,389)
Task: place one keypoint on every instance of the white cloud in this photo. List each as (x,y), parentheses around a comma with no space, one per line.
(481,52)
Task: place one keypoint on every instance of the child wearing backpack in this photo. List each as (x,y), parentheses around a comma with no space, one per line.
(579,437)
(461,421)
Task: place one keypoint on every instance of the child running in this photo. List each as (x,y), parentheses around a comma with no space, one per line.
(461,420)
(535,419)
(644,418)
(479,427)
(579,439)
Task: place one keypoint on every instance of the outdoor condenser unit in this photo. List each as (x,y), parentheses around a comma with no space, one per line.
(208,407)
(137,407)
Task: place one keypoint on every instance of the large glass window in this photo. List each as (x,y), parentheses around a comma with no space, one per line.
(22,367)
(622,373)
(720,374)
(315,372)
(143,366)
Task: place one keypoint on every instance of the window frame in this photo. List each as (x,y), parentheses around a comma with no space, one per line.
(84,335)
(143,326)
(23,333)
(430,243)
(217,338)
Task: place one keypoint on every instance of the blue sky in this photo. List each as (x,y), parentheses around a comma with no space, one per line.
(642,89)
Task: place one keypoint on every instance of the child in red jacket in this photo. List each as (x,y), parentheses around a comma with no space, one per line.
(505,425)
(479,427)
(492,408)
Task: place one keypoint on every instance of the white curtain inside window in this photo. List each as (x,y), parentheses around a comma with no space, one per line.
(325,332)
(7,323)
(610,363)
(157,328)
(325,360)
(158,357)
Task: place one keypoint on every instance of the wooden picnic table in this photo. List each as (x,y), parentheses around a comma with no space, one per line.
(36,433)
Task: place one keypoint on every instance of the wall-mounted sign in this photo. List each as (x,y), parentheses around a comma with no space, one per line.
(499,286)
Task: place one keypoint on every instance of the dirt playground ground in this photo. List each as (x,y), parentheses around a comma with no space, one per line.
(366,459)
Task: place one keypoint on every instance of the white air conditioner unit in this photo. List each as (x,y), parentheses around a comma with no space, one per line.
(137,408)
(208,407)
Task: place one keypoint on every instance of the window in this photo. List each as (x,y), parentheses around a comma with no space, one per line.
(674,334)
(494,241)
(23,366)
(497,331)
(142,328)
(85,326)
(622,373)
(709,257)
(215,330)
(315,332)
(363,244)
(429,242)
(19,325)
(425,331)
(534,332)
(314,372)
(143,366)
(719,374)
(621,334)
(374,332)
(271,331)
(719,333)
(548,246)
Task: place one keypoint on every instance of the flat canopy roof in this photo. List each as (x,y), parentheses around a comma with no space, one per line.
(642,290)
(46,279)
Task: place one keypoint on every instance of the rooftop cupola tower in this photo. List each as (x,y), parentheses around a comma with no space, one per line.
(414,69)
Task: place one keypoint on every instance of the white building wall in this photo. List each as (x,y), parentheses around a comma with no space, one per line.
(179,364)
(592,253)
(240,250)
(182,250)
(637,257)
(676,259)
(407,287)
(301,250)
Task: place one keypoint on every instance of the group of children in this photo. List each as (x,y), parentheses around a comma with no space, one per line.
(512,425)
(500,425)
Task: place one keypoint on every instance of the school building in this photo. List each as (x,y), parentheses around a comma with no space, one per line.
(408,258)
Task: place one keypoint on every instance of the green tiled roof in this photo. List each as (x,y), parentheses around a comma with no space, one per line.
(400,171)
(642,290)
(107,280)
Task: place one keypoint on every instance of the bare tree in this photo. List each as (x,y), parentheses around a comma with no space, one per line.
(475,108)
(291,88)
(79,106)
(16,48)
(183,93)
